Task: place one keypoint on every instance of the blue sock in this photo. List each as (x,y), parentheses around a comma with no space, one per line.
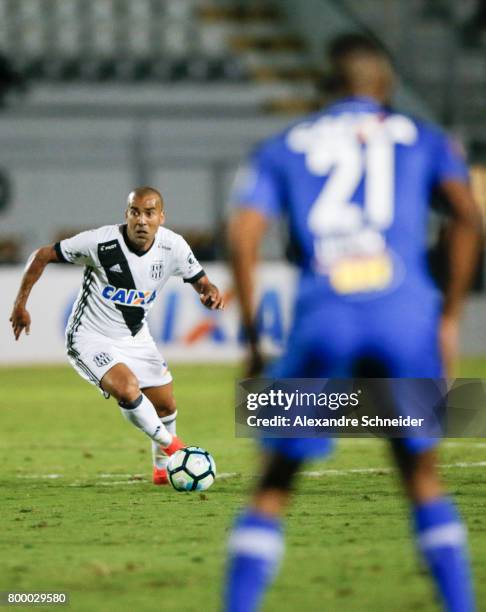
(255,549)
(442,539)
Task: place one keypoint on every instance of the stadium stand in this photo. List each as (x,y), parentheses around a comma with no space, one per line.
(257,52)
(452,38)
(155,41)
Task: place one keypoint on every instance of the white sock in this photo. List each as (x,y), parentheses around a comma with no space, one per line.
(159,458)
(142,414)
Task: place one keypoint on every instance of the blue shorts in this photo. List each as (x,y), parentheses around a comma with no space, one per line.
(308,449)
(386,338)
(300,448)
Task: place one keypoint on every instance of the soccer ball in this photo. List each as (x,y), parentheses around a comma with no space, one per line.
(191,469)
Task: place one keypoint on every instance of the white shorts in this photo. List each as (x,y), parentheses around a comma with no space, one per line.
(92,355)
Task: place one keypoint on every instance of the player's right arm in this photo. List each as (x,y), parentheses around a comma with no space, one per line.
(245,234)
(20,317)
(81,249)
(257,199)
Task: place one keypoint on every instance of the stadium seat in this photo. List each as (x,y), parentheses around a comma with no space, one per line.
(176,41)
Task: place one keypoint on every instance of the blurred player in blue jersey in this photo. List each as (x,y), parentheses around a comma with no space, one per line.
(354,183)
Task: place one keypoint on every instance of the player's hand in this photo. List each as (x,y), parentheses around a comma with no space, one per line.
(20,319)
(254,363)
(449,342)
(211,298)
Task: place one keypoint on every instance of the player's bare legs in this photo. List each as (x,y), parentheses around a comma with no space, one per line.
(420,479)
(441,536)
(162,397)
(256,544)
(136,407)
(272,502)
(271,497)
(420,475)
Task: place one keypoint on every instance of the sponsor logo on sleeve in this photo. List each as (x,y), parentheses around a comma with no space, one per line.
(109,246)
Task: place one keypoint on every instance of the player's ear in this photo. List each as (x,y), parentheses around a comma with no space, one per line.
(162,217)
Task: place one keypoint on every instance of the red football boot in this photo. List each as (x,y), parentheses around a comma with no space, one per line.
(174,446)
(159,476)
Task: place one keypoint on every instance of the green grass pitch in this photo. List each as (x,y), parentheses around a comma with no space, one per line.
(79,514)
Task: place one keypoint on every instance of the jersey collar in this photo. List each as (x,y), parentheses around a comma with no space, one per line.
(357,103)
(129,245)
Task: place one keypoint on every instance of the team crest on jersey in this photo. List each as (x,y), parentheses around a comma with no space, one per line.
(128,297)
(156,270)
(102,359)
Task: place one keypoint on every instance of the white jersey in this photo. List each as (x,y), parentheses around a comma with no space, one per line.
(120,284)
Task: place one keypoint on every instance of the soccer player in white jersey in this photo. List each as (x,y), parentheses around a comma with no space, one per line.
(107,338)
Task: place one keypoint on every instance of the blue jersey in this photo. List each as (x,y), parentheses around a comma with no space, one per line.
(355,184)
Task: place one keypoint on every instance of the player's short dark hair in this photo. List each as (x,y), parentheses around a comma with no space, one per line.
(354,42)
(146,190)
(344,47)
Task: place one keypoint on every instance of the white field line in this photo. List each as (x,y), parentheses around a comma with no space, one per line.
(121,475)
(40,476)
(139,479)
(460,443)
(333,472)
(113,483)
(348,441)
(464,444)
(131,477)
(137,476)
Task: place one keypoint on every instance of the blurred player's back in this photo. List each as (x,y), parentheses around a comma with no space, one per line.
(355,182)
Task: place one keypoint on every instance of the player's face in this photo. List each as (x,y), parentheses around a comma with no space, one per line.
(144,216)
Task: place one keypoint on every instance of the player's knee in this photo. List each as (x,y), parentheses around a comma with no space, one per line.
(165,405)
(279,473)
(419,471)
(128,390)
(406,461)
(169,407)
(274,489)
(426,469)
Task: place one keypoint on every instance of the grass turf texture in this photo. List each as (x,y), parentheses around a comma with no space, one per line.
(101,531)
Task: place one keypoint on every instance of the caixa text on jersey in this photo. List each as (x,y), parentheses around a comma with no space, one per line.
(128,297)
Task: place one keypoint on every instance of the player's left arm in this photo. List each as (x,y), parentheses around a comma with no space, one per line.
(465,237)
(451,176)
(187,266)
(464,243)
(208,293)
